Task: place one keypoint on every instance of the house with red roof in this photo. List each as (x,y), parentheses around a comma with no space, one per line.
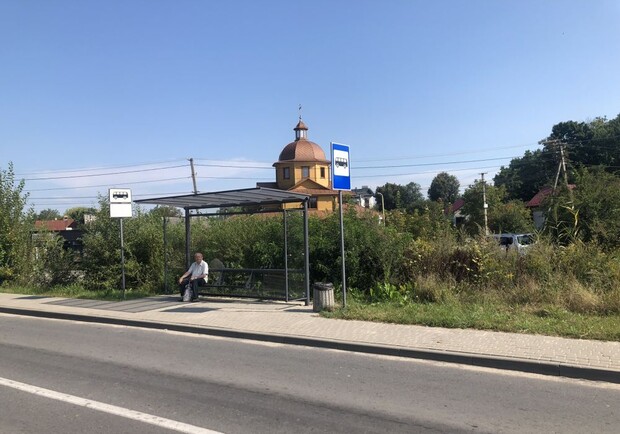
(66,228)
(456,211)
(536,203)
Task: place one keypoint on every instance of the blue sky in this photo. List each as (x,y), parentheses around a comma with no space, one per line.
(146,84)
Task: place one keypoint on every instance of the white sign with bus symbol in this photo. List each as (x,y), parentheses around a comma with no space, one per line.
(120,195)
(341,163)
(120,202)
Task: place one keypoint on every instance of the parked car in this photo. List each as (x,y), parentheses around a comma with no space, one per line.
(518,242)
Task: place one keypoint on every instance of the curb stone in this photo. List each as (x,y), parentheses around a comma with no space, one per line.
(486,361)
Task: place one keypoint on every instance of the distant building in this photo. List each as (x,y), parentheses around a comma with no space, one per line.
(456,211)
(536,205)
(364,197)
(66,228)
(303,168)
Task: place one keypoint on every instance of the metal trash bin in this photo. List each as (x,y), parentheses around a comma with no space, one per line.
(323,298)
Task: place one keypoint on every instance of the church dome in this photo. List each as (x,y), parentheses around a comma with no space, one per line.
(302,149)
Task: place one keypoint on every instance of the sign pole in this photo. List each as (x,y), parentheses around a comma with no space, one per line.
(120,206)
(341,180)
(122,259)
(342,253)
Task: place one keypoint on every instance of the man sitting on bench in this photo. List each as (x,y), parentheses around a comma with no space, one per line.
(197,275)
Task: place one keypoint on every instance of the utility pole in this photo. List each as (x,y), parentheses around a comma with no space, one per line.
(561,165)
(554,142)
(382,207)
(563,162)
(191,164)
(485,205)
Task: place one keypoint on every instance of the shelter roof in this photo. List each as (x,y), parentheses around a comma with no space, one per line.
(228,198)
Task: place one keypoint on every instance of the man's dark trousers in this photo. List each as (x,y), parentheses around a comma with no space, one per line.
(195,283)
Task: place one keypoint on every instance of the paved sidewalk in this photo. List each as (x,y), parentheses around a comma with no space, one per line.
(297,324)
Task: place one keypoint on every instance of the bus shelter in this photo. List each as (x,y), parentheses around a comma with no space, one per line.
(251,201)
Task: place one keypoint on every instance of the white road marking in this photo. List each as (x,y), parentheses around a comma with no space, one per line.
(107,408)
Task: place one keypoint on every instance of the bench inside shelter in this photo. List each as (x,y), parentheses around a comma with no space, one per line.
(255,283)
(279,284)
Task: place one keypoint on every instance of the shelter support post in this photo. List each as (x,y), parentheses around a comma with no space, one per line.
(306,254)
(285,222)
(165,254)
(188,237)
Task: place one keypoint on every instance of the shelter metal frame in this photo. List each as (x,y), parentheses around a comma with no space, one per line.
(259,198)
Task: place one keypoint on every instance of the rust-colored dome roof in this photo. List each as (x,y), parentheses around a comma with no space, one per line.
(303,150)
(300,125)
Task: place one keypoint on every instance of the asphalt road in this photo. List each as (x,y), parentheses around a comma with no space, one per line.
(236,386)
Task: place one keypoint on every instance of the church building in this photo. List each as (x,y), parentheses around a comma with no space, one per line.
(303,168)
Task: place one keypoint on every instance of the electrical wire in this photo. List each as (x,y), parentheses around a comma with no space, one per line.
(96,197)
(426,173)
(235,178)
(233,166)
(102,174)
(448,154)
(45,172)
(107,185)
(430,164)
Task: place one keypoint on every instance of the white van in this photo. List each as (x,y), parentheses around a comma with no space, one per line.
(518,242)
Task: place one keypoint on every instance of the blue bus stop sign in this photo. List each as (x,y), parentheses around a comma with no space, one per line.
(341,167)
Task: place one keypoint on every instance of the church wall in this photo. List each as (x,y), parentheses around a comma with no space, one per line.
(296,174)
(285,184)
(325,203)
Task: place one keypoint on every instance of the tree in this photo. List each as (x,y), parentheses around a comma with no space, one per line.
(14,228)
(166,211)
(592,212)
(526,175)
(397,196)
(48,214)
(585,144)
(444,187)
(512,216)
(77,213)
(473,207)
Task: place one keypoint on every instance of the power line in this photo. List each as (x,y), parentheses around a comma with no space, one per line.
(580,142)
(427,172)
(103,174)
(448,154)
(225,164)
(431,164)
(235,178)
(233,166)
(96,197)
(45,172)
(108,185)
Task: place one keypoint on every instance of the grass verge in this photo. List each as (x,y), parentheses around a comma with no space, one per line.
(546,320)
